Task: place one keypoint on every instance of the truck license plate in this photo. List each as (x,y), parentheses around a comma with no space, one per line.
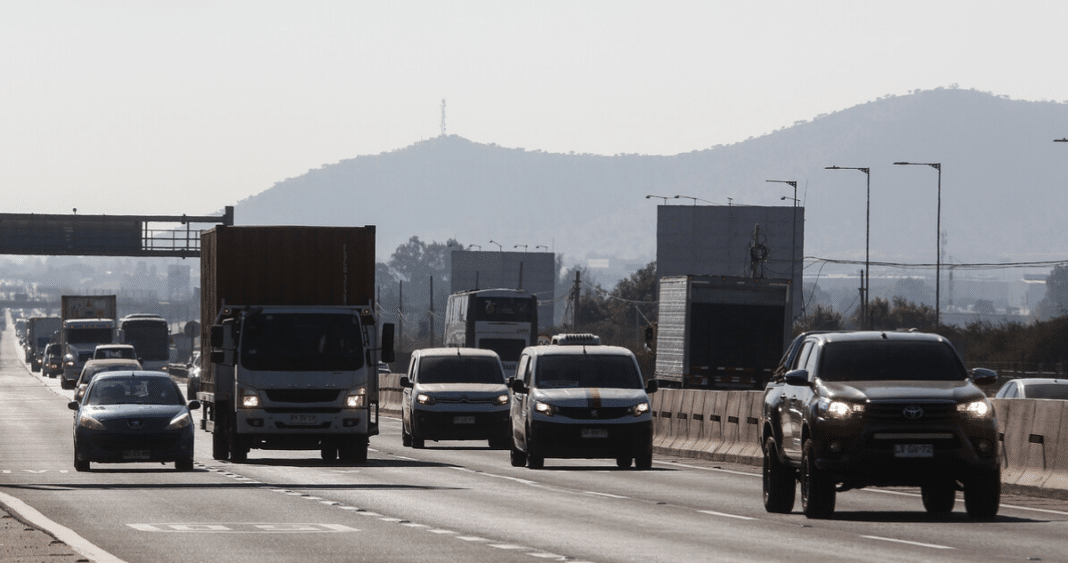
(463,420)
(136,454)
(594,433)
(913,450)
(302,419)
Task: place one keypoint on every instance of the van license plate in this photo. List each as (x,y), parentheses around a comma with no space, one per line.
(463,420)
(913,450)
(136,454)
(594,433)
(302,419)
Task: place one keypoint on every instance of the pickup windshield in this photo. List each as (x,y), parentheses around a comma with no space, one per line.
(890,360)
(302,342)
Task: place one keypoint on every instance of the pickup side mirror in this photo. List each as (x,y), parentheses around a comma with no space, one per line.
(797,377)
(387,355)
(984,376)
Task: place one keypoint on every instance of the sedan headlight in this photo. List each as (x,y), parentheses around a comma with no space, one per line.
(424,399)
(90,423)
(839,409)
(640,409)
(544,408)
(977,409)
(180,421)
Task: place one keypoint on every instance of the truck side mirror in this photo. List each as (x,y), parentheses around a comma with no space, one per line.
(387,355)
(218,336)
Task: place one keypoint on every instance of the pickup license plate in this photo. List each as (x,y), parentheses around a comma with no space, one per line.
(136,454)
(913,450)
(594,433)
(463,420)
(302,419)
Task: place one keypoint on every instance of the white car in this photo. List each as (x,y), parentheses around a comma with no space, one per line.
(1034,388)
(454,394)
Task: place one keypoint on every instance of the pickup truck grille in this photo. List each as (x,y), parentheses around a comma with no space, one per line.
(911,412)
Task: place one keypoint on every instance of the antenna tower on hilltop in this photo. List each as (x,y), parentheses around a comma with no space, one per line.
(443,117)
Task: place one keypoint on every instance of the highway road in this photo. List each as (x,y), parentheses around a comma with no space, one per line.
(462,501)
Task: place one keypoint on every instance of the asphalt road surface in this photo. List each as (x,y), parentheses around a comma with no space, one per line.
(461,501)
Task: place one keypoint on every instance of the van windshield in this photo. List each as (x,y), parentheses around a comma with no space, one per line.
(459,369)
(581,370)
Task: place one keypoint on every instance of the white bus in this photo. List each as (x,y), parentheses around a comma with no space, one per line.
(502,320)
(150,337)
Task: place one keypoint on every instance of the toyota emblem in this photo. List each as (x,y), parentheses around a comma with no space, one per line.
(912,412)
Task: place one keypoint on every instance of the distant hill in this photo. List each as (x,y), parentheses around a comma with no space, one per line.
(1004,190)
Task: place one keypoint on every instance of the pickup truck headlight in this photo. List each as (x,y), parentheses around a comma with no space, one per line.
(839,409)
(977,409)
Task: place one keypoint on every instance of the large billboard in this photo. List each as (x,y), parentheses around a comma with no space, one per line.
(733,240)
(532,271)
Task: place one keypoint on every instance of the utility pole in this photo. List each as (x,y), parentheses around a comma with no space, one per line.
(400,315)
(431,311)
(575,301)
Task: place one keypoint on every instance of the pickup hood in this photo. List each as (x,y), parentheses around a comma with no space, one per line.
(859,391)
(590,396)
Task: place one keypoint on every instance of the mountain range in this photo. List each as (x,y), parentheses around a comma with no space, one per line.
(999,195)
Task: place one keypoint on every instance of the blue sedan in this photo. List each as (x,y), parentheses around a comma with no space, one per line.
(133,416)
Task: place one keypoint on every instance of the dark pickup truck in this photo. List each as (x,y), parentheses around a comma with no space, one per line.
(849,410)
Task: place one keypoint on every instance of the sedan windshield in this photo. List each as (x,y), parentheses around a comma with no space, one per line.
(890,360)
(144,391)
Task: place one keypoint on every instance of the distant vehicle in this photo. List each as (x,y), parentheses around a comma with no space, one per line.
(52,364)
(150,336)
(88,320)
(871,408)
(580,402)
(133,416)
(454,394)
(39,332)
(502,320)
(114,352)
(575,339)
(192,377)
(1034,388)
(95,367)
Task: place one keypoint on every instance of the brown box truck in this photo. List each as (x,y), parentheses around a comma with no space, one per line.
(290,340)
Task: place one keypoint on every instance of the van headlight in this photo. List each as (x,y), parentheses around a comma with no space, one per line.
(976,409)
(424,399)
(501,399)
(544,408)
(640,409)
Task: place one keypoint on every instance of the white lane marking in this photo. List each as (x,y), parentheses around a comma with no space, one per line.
(715,469)
(508,546)
(495,476)
(605,495)
(725,515)
(472,538)
(244,528)
(62,533)
(440,531)
(916,543)
(1012,506)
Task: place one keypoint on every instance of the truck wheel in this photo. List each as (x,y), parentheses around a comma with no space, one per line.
(238,449)
(328,452)
(220,447)
(939,496)
(817,488)
(623,462)
(519,458)
(643,462)
(780,482)
(184,464)
(353,450)
(982,494)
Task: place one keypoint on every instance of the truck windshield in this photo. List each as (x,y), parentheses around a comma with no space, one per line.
(575,370)
(89,335)
(458,369)
(302,342)
(889,360)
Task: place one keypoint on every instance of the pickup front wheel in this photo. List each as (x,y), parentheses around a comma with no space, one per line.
(817,488)
(780,481)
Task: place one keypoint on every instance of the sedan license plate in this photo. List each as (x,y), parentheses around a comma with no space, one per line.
(594,433)
(302,419)
(913,450)
(136,454)
(463,420)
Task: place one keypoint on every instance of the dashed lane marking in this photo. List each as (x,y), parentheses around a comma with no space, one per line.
(244,528)
(725,515)
(916,543)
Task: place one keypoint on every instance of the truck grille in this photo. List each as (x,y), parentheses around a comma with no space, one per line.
(303,395)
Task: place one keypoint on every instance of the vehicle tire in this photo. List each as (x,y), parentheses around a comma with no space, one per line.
(184,464)
(406,438)
(238,447)
(328,452)
(939,496)
(643,462)
(817,488)
(623,462)
(66,384)
(535,461)
(353,450)
(519,458)
(982,494)
(80,464)
(220,447)
(780,481)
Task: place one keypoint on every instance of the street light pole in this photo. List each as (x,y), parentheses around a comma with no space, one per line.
(793,233)
(696,199)
(663,197)
(938,237)
(867,243)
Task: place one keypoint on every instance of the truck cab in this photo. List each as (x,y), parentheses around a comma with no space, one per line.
(80,339)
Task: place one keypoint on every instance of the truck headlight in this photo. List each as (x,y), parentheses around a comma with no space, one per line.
(839,409)
(977,409)
(248,398)
(357,399)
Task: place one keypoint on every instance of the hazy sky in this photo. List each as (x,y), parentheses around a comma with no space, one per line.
(151,107)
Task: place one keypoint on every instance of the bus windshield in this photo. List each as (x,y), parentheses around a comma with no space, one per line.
(151,339)
(515,309)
